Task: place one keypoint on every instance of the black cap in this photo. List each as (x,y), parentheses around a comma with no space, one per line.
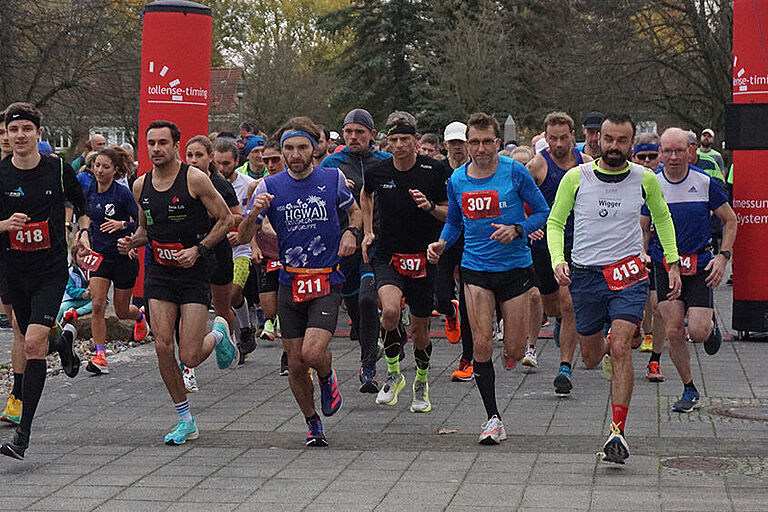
(593,120)
(359,116)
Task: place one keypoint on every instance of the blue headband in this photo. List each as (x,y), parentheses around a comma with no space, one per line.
(297,133)
(646,147)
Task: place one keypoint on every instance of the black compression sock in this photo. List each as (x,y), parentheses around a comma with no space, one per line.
(486,383)
(392,342)
(422,357)
(34,381)
(655,356)
(565,363)
(690,386)
(369,321)
(18,390)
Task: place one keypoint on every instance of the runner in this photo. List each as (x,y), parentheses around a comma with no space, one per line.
(254,164)
(706,149)
(301,205)
(359,292)
(175,203)
(693,197)
(607,278)
(591,128)
(113,209)
(486,197)
(456,326)
(33,189)
(411,205)
(646,153)
(225,157)
(548,168)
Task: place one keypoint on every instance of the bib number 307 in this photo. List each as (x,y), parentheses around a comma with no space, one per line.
(481,204)
(34,236)
(624,273)
(310,286)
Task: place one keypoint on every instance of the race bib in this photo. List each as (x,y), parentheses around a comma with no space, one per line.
(413,266)
(92,262)
(34,236)
(624,273)
(306,287)
(482,204)
(688,264)
(165,253)
(273,265)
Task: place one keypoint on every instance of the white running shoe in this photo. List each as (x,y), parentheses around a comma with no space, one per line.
(530,358)
(190,381)
(492,431)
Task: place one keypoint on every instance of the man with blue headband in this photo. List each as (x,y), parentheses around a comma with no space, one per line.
(302,205)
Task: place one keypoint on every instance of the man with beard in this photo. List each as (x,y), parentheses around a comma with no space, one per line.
(302,205)
(591,129)
(321,151)
(359,292)
(608,280)
(706,149)
(548,168)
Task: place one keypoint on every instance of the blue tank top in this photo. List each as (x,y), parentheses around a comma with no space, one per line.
(548,189)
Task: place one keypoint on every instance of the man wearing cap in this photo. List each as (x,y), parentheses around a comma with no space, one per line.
(359,292)
(455,144)
(254,166)
(703,161)
(591,129)
(706,149)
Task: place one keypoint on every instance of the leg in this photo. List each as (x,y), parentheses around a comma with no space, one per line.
(534,319)
(298,376)
(194,344)
(99,288)
(222,296)
(673,313)
(369,321)
(481,304)
(123,307)
(516,312)
(391,297)
(622,332)
(163,323)
(700,323)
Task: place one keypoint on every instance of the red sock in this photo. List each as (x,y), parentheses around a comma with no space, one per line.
(620,415)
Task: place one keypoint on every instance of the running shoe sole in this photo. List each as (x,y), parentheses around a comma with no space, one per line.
(70,362)
(317,442)
(369,387)
(677,408)
(96,369)
(614,451)
(10,450)
(563,385)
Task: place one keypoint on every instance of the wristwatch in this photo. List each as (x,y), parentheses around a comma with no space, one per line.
(201,249)
(432,205)
(519,229)
(726,254)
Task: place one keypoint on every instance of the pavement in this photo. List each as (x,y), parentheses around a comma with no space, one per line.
(97,441)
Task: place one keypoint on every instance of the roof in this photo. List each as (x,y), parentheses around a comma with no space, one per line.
(223,98)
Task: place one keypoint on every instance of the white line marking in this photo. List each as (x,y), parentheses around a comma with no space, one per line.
(151,66)
(178,102)
(741,72)
(164,71)
(175,83)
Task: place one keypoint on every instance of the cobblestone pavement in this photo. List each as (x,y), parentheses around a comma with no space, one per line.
(97,441)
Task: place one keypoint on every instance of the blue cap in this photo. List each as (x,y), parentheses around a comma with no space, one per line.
(44,148)
(253,141)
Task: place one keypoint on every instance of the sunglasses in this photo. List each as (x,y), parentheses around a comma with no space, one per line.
(269,159)
(647,156)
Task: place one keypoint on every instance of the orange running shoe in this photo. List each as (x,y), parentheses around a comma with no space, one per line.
(98,364)
(464,372)
(452,327)
(140,328)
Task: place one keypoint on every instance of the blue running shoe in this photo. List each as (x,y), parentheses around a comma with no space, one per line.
(368,382)
(563,385)
(688,402)
(227,354)
(712,344)
(316,436)
(183,431)
(330,398)
(556,333)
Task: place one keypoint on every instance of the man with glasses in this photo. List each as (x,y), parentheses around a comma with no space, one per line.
(693,197)
(486,198)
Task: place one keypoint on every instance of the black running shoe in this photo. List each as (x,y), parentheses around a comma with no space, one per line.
(712,344)
(247,343)
(284,365)
(70,362)
(15,448)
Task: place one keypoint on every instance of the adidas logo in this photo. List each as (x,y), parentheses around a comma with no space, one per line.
(692,189)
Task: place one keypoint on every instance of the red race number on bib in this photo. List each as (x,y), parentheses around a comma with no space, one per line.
(624,273)
(165,253)
(92,262)
(688,264)
(34,236)
(273,265)
(413,266)
(481,204)
(306,287)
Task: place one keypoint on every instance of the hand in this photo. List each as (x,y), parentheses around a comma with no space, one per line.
(111,225)
(348,244)
(675,283)
(15,222)
(133,254)
(537,235)
(233,238)
(261,203)
(187,257)
(645,258)
(716,268)
(256,255)
(562,274)
(84,241)
(125,245)
(350,184)
(504,234)
(420,199)
(435,250)
(367,241)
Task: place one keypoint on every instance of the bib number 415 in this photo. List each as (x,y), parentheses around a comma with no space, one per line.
(624,273)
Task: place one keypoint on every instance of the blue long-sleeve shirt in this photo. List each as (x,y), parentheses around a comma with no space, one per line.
(476,204)
(116,203)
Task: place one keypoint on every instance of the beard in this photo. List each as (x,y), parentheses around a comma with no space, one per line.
(615,158)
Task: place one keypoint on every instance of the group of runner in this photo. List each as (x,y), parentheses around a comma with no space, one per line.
(578,235)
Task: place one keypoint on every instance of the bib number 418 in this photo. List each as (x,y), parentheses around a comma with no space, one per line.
(34,236)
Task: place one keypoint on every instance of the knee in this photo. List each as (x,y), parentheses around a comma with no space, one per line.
(699,332)
(164,346)
(620,351)
(122,311)
(311,356)
(390,318)
(675,334)
(99,307)
(591,356)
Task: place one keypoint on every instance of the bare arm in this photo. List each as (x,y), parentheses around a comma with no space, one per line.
(538,169)
(139,237)
(366,207)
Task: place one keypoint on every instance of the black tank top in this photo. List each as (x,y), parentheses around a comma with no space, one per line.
(174,215)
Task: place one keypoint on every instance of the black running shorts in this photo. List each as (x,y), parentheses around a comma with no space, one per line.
(297,317)
(504,285)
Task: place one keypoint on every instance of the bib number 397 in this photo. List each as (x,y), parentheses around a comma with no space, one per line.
(624,273)
(481,204)
(34,236)
(306,287)
(410,265)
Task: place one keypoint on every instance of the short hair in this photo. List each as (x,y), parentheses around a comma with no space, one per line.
(249,126)
(324,129)
(302,123)
(175,132)
(272,144)
(120,159)
(519,150)
(2,116)
(29,111)
(617,118)
(647,138)
(482,121)
(554,118)
(226,146)
(430,138)
(400,116)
